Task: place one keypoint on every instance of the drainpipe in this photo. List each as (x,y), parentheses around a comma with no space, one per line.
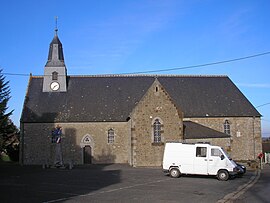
(130,143)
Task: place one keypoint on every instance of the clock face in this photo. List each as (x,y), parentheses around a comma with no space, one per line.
(55,86)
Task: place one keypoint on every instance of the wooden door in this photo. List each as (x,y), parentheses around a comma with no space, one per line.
(87,155)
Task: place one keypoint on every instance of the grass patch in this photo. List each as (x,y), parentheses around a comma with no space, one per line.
(4,158)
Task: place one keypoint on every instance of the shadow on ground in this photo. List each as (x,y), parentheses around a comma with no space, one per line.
(34,184)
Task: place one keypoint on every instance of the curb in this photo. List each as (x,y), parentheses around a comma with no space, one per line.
(231,197)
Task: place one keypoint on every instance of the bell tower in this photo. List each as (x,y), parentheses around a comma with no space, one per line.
(55,72)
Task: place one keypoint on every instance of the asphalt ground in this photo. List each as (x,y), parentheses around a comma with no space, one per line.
(259,191)
(110,183)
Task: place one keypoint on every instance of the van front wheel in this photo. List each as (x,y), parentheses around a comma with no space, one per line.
(223,175)
(174,173)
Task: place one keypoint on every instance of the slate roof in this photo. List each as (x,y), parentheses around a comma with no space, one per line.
(197,131)
(213,96)
(112,98)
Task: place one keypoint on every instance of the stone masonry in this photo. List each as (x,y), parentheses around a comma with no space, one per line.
(155,104)
(38,149)
(245,141)
(134,140)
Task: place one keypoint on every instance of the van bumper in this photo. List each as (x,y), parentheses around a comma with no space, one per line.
(234,172)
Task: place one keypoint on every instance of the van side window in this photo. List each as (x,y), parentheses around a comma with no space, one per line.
(201,151)
(215,152)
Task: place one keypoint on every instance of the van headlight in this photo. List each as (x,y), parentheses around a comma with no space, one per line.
(235,169)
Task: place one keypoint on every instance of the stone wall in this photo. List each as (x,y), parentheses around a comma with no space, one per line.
(245,142)
(156,103)
(38,149)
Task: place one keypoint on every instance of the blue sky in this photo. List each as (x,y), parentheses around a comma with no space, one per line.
(117,36)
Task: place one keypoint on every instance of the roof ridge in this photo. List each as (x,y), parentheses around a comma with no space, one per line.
(146,75)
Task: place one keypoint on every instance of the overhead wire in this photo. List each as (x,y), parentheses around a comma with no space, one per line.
(262,105)
(171,69)
(16,74)
(201,65)
(265,120)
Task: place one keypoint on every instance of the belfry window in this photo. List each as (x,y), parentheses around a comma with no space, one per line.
(157,131)
(110,136)
(54,75)
(227,127)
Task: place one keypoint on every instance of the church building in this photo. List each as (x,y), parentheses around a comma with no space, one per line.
(129,118)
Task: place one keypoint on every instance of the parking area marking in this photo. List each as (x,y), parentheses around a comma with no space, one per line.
(108,191)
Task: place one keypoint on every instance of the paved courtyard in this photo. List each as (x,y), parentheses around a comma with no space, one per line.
(109,183)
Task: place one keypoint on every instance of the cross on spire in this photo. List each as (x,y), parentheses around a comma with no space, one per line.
(56,28)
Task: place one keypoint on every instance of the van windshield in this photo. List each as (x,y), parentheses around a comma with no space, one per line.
(224,152)
(216,152)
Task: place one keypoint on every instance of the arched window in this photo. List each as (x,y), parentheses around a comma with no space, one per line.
(227,127)
(157,131)
(110,136)
(54,75)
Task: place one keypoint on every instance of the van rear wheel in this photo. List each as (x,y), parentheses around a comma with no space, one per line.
(223,175)
(175,173)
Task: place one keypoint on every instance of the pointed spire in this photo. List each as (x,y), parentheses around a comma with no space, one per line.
(56,55)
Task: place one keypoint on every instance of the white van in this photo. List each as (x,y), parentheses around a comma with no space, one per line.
(201,159)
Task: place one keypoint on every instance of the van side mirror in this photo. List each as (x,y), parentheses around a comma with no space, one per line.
(222,157)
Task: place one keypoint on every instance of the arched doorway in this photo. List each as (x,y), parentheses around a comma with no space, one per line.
(87,146)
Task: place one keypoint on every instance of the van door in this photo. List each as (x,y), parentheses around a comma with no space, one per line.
(200,161)
(215,161)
